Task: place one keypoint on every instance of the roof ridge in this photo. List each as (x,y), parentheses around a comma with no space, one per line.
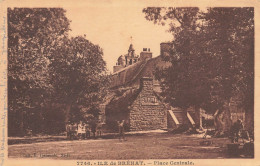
(139,71)
(125,68)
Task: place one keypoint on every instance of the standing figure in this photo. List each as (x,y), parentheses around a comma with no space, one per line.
(99,129)
(73,131)
(121,129)
(236,128)
(81,130)
(94,128)
(68,131)
(87,129)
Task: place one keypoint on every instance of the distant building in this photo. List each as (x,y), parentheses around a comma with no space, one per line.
(131,58)
(131,67)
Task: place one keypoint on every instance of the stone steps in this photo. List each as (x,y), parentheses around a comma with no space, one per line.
(178,117)
(181,117)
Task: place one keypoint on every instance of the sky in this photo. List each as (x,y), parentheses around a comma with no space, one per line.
(111,27)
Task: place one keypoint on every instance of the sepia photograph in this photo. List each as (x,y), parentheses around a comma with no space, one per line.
(130,83)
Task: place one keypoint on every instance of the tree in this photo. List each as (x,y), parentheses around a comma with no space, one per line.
(52,78)
(32,36)
(79,77)
(206,66)
(232,31)
(183,83)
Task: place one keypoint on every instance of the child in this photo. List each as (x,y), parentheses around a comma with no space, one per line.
(121,129)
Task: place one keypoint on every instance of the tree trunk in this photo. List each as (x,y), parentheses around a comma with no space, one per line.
(222,120)
(227,119)
(249,120)
(21,125)
(197,118)
(67,113)
(218,116)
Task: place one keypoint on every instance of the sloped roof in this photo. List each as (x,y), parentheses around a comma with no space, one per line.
(124,97)
(131,75)
(125,84)
(121,100)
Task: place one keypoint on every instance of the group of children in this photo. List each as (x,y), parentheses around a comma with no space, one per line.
(83,130)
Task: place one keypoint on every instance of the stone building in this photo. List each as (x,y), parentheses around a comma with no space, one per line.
(129,74)
(135,94)
(141,108)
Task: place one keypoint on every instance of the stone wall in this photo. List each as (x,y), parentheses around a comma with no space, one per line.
(147,112)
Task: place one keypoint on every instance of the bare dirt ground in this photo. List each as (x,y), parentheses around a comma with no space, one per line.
(147,146)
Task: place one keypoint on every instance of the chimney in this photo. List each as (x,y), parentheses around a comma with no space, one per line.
(166,48)
(146,54)
(146,84)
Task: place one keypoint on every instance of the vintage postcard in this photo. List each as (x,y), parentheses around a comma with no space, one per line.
(113,83)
